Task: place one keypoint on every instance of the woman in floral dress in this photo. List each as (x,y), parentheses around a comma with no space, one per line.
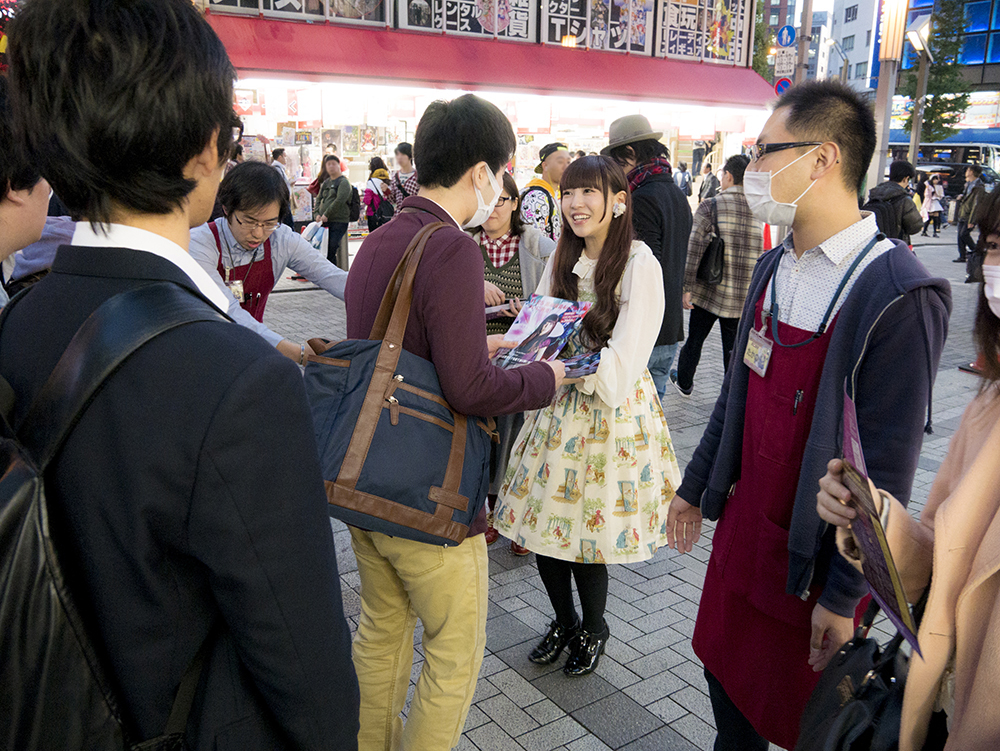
(591,476)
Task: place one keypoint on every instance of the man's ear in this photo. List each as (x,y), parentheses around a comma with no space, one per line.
(826,158)
(206,162)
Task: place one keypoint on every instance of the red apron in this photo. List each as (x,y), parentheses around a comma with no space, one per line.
(749,633)
(257,277)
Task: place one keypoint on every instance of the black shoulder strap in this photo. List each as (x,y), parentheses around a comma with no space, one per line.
(120,326)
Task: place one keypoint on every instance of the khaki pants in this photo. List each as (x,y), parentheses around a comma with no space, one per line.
(445,588)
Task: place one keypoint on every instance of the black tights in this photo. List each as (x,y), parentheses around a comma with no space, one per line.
(591,584)
(936,218)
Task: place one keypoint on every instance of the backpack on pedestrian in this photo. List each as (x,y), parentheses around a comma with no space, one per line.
(888,215)
(58,693)
(355,205)
(685,185)
(383,212)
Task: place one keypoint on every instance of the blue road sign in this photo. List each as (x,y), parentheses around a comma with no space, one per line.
(786,36)
(781,85)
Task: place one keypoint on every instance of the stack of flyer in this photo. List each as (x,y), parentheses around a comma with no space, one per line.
(541,331)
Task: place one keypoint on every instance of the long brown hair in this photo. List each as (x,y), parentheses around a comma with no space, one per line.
(986,331)
(604,174)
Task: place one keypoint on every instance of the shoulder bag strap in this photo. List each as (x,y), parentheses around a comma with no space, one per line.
(390,323)
(120,326)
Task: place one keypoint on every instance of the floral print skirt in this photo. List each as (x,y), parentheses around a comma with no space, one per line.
(590,483)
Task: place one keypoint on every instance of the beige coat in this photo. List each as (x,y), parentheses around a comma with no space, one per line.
(959,534)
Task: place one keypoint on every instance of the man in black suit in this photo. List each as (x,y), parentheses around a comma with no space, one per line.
(187,502)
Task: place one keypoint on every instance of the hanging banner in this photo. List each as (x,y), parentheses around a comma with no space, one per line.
(507,19)
(710,30)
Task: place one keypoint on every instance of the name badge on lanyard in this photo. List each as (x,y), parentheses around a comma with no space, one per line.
(758,352)
(237,289)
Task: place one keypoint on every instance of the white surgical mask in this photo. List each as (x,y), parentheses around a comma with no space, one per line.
(991,277)
(485,209)
(757,189)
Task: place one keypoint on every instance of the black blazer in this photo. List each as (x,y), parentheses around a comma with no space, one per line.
(189,497)
(661,216)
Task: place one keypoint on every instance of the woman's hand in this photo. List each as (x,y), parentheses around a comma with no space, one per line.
(514,309)
(833,496)
(495,342)
(683,525)
(321,219)
(494,295)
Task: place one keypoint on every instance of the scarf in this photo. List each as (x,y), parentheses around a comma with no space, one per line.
(639,175)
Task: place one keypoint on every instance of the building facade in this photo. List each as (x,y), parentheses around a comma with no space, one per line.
(852,27)
(819,48)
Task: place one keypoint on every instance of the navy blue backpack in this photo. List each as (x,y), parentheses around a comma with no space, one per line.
(396,457)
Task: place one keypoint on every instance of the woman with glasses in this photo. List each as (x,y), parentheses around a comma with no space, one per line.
(514,256)
(248,249)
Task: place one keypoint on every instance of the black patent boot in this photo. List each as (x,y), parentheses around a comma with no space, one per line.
(586,651)
(549,649)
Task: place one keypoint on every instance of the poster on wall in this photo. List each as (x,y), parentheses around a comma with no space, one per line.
(509,19)
(331,137)
(615,25)
(350,139)
(361,10)
(712,30)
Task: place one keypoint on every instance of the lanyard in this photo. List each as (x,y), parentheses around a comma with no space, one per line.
(232,266)
(773,312)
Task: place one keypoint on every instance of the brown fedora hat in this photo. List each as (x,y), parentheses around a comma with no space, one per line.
(630,129)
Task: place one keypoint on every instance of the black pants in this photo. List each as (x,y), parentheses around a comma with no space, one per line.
(965,241)
(735,733)
(336,231)
(936,218)
(698,329)
(591,585)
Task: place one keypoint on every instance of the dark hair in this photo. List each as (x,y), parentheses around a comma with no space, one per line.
(683,166)
(406,149)
(238,150)
(736,165)
(580,154)
(935,176)
(642,151)
(605,174)
(16,170)
(376,163)
(977,169)
(516,223)
(453,137)
(901,169)
(277,154)
(986,330)
(253,185)
(113,99)
(832,111)
(323,174)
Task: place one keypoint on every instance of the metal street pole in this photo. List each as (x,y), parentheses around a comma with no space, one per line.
(918,108)
(891,29)
(805,35)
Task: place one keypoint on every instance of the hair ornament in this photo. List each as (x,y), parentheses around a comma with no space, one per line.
(617,210)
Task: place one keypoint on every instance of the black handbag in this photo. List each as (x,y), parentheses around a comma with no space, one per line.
(710,266)
(397,459)
(858,701)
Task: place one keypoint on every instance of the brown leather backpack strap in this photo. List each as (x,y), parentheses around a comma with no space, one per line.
(399,279)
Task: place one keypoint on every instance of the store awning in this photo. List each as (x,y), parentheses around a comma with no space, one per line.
(321,52)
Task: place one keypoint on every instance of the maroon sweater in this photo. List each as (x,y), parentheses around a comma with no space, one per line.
(447,322)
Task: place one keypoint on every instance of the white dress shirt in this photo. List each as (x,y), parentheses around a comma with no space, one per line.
(806,285)
(288,250)
(133,238)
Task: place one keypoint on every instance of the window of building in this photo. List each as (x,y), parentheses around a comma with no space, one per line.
(994,54)
(812,52)
(973,50)
(868,39)
(848,43)
(861,70)
(977,16)
(774,19)
(851,14)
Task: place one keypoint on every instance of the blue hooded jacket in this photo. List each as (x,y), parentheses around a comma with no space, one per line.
(887,344)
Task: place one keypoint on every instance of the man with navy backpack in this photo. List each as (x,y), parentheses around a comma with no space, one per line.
(186,504)
(895,212)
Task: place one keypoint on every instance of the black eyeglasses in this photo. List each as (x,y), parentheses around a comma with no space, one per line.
(503,199)
(269,226)
(761,149)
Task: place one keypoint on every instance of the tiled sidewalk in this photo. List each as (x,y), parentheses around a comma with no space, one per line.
(649,691)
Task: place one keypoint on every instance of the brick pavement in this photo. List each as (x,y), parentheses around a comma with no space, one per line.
(649,691)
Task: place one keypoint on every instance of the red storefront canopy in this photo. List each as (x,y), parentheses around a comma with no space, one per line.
(324,52)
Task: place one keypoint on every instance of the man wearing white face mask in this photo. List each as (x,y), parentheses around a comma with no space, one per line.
(836,305)
(462,147)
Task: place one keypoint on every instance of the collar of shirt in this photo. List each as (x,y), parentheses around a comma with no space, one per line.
(133,238)
(841,245)
(500,250)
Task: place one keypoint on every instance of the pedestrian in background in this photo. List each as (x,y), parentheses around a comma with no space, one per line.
(709,183)
(333,205)
(682,178)
(967,215)
(279,160)
(540,199)
(931,207)
(187,502)
(722,302)
(950,695)
(592,474)
(514,257)
(464,146)
(404,183)
(833,303)
(895,212)
(376,193)
(661,217)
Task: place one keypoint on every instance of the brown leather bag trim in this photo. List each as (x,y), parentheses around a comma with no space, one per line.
(444,497)
(422,416)
(329,361)
(385,509)
(425,394)
(456,459)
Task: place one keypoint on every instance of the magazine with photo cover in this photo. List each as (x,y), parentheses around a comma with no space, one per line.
(876,559)
(541,330)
